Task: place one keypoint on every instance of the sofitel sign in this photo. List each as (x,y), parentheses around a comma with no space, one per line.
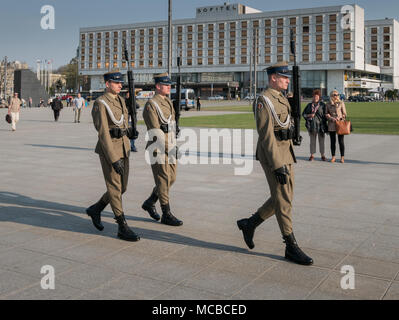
(225,9)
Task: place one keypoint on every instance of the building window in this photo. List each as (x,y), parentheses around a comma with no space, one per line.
(333,37)
(373,62)
(305,48)
(268,32)
(244,60)
(280,58)
(268,59)
(319,38)
(221,43)
(232,25)
(221,60)
(387,63)
(319,19)
(221,35)
(280,49)
(305,29)
(210,53)
(199,53)
(210,44)
(387,46)
(268,49)
(347,46)
(374,47)
(373,30)
(305,57)
(387,55)
(244,33)
(200,36)
(210,35)
(210,27)
(255,23)
(280,40)
(232,51)
(347,36)
(210,61)
(99,65)
(200,28)
(280,22)
(319,28)
(267,41)
(292,21)
(232,60)
(268,23)
(189,28)
(244,24)
(387,30)
(333,27)
(319,57)
(305,20)
(333,56)
(232,34)
(374,55)
(373,38)
(333,46)
(305,38)
(159,63)
(280,31)
(333,18)
(387,38)
(243,42)
(199,45)
(232,43)
(199,61)
(243,51)
(319,47)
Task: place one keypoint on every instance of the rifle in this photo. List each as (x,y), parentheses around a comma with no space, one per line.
(295,101)
(177,101)
(131,102)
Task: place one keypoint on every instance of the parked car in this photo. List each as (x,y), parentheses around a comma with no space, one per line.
(217,97)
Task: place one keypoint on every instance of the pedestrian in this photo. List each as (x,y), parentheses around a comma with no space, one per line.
(159,117)
(335,110)
(30,102)
(276,155)
(79,103)
(198,104)
(110,118)
(316,123)
(41,103)
(56,105)
(13,109)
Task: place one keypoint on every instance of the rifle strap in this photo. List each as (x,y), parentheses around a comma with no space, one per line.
(111,115)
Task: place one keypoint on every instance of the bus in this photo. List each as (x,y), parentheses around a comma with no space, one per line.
(187,98)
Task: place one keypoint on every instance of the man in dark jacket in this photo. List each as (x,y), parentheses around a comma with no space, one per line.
(56,105)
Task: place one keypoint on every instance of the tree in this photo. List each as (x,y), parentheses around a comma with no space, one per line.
(70,71)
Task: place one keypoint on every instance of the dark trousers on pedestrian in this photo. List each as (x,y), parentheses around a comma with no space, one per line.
(56,114)
(333,140)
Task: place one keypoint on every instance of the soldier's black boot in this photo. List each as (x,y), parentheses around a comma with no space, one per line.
(124,232)
(94,212)
(248,226)
(149,206)
(168,218)
(294,253)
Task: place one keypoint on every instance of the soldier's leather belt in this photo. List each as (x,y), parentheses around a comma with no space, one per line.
(284,134)
(118,133)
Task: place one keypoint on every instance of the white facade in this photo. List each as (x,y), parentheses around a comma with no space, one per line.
(217,45)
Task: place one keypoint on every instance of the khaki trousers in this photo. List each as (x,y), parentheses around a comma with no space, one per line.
(77,114)
(313,136)
(164,177)
(14,120)
(280,201)
(116,185)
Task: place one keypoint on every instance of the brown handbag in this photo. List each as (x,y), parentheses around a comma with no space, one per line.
(343,127)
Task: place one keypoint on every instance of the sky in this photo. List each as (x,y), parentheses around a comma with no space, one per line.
(23,39)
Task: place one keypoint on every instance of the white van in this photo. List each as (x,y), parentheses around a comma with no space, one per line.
(187,98)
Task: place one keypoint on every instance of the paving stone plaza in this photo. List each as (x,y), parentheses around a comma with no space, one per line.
(343,215)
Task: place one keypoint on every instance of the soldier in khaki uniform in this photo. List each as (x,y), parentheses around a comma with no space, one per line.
(159,117)
(110,118)
(276,155)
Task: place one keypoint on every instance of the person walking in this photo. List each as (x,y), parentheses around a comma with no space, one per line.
(13,110)
(110,118)
(198,104)
(335,110)
(78,103)
(314,115)
(30,102)
(159,117)
(56,105)
(275,153)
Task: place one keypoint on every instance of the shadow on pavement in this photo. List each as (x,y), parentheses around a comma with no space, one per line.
(46,214)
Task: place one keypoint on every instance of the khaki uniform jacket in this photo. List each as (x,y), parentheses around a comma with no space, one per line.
(15,104)
(337,111)
(111,148)
(151,117)
(269,150)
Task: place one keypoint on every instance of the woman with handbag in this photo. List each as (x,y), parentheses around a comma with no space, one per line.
(335,110)
(314,115)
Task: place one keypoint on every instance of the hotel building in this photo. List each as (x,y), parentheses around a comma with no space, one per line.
(335,49)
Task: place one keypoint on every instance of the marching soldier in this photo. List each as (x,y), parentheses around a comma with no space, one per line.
(159,117)
(110,117)
(276,155)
